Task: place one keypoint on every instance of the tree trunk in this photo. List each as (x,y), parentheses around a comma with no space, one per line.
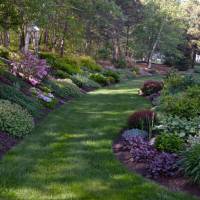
(194,53)
(116,47)
(27,40)
(155,45)
(62,44)
(21,39)
(127,40)
(6,41)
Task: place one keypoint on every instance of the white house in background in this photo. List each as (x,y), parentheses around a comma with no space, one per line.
(197,58)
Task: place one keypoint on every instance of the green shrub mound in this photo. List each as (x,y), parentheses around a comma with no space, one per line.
(191,163)
(84,82)
(99,78)
(169,143)
(89,63)
(114,75)
(63,88)
(66,64)
(14,119)
(16,96)
(4,52)
(60,74)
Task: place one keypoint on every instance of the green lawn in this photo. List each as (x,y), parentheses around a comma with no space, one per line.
(69,156)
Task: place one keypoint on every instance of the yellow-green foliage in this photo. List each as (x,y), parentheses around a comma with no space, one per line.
(89,63)
(14,119)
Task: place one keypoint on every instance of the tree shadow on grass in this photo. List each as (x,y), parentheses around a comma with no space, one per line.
(70,156)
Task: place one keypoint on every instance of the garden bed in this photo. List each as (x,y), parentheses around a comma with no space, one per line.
(176,183)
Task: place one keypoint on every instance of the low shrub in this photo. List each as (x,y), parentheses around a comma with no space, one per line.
(14,95)
(164,164)
(157,163)
(63,88)
(84,82)
(114,75)
(190,163)
(180,105)
(129,134)
(31,69)
(67,64)
(144,120)
(180,126)
(14,119)
(141,150)
(89,63)
(169,143)
(151,87)
(99,78)
(61,74)
(4,52)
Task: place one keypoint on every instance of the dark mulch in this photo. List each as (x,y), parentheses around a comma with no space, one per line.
(178,183)
(6,143)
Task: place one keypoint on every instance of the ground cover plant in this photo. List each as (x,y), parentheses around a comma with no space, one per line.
(14,119)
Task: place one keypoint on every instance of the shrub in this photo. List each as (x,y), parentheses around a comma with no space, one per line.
(89,63)
(84,82)
(180,126)
(114,75)
(129,134)
(164,164)
(67,64)
(151,87)
(190,163)
(60,74)
(181,105)
(31,69)
(143,120)
(141,150)
(157,163)
(63,88)
(4,52)
(14,119)
(13,95)
(169,143)
(120,63)
(99,78)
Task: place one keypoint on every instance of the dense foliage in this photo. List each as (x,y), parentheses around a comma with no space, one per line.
(151,87)
(143,120)
(169,143)
(190,163)
(14,119)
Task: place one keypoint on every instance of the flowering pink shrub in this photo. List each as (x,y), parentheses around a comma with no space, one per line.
(31,68)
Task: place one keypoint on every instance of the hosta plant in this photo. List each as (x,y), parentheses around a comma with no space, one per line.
(14,119)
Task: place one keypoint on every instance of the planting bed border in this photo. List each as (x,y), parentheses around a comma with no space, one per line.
(175,184)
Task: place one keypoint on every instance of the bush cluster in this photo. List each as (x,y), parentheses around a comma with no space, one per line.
(169,143)
(99,78)
(144,120)
(63,88)
(16,96)
(84,82)
(14,119)
(151,87)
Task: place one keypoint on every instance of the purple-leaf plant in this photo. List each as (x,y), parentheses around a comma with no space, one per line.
(31,68)
(157,163)
(164,164)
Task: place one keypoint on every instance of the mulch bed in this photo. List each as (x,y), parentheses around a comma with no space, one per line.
(175,184)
